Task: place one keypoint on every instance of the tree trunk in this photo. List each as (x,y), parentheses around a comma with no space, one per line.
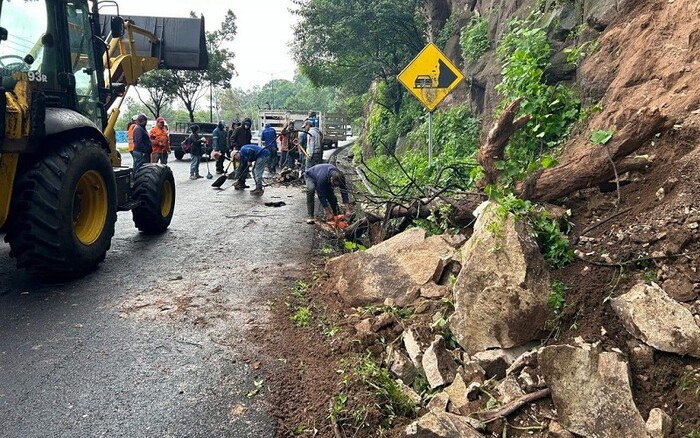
(493,150)
(590,164)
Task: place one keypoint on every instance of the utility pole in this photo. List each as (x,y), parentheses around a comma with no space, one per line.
(211,104)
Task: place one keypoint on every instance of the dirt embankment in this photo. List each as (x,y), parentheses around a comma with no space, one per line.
(646,58)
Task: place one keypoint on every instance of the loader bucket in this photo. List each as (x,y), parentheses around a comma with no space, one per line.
(182,42)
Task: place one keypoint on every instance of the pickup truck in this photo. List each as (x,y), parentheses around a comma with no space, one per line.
(182,130)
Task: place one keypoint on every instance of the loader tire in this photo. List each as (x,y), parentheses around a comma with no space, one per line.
(64,208)
(179,155)
(154,187)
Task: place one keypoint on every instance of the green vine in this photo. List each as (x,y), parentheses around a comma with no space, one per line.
(474,39)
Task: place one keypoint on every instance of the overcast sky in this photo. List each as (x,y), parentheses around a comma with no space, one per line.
(264,32)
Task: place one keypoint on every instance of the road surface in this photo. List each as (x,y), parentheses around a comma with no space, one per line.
(153,343)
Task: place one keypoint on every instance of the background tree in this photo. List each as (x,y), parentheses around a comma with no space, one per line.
(191,86)
(159,89)
(352,43)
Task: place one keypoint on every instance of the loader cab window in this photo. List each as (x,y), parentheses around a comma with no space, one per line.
(24,49)
(82,60)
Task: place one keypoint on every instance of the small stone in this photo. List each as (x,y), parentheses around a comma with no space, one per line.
(660,194)
(556,430)
(439,402)
(659,424)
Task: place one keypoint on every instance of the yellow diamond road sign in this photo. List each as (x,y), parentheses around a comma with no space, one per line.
(430,76)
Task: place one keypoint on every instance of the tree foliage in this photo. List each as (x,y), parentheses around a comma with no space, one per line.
(190,86)
(159,90)
(351,43)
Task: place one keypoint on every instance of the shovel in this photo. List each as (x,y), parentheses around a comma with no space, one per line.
(209,175)
(222,179)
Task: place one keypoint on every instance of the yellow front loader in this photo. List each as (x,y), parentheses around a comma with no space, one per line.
(63,68)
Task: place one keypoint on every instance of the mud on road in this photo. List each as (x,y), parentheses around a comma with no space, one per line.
(154,343)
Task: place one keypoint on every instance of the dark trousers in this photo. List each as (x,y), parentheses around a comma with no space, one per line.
(220,163)
(284,157)
(311,198)
(272,161)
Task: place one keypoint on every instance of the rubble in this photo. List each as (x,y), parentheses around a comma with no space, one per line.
(441,425)
(650,315)
(591,391)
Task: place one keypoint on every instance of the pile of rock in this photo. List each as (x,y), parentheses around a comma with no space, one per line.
(484,362)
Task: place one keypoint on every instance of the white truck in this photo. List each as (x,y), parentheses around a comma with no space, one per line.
(333,126)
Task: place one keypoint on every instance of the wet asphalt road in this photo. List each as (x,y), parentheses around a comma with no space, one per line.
(153,343)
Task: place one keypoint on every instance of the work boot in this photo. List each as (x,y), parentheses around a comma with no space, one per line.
(310,220)
(257,192)
(193,177)
(239,185)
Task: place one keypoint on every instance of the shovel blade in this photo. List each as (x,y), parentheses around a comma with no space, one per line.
(219,181)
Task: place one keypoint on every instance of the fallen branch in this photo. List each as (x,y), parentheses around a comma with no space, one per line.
(631,261)
(514,405)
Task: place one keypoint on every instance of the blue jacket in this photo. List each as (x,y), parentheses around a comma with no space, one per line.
(218,138)
(320,174)
(268,136)
(251,152)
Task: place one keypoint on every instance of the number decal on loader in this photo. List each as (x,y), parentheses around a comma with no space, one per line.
(31,76)
(35,76)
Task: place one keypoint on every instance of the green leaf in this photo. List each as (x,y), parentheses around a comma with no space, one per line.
(601,136)
(548,162)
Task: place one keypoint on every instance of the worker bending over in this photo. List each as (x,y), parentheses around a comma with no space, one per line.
(321,179)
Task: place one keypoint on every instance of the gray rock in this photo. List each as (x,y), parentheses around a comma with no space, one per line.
(441,425)
(497,307)
(438,364)
(402,367)
(656,319)
(659,424)
(556,430)
(409,392)
(473,372)
(391,269)
(439,402)
(457,393)
(416,340)
(508,390)
(591,391)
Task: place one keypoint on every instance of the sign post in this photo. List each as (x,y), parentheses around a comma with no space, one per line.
(430,77)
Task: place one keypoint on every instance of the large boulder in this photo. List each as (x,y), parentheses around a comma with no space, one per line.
(390,269)
(591,391)
(658,320)
(501,292)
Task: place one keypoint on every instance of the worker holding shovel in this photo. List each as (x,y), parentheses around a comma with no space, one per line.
(246,155)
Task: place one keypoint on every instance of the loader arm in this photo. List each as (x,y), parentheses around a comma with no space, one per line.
(123,65)
(147,43)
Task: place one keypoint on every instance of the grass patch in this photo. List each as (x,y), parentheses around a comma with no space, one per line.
(301,317)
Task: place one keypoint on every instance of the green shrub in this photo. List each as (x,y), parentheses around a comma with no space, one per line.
(455,142)
(525,52)
(474,39)
(552,241)
(389,397)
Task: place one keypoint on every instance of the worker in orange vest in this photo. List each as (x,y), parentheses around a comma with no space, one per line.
(160,141)
(130,133)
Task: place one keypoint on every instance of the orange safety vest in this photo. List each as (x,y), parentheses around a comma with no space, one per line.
(130,136)
(159,140)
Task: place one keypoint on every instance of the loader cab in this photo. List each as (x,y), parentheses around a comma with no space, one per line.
(49,44)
